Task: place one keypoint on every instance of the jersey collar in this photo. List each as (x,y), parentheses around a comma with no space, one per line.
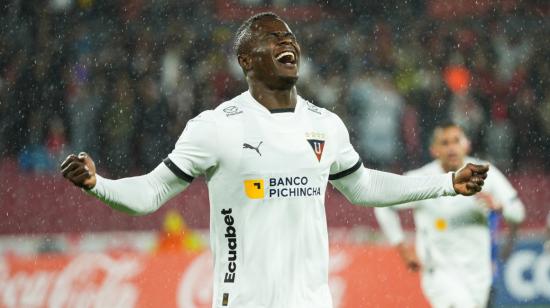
(252,102)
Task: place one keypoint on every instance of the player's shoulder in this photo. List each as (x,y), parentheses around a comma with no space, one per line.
(222,112)
(204,116)
(312,110)
(230,109)
(323,117)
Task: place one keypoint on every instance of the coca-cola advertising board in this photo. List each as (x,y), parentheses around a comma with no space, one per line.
(360,276)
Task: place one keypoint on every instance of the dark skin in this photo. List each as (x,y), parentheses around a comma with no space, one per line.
(272,83)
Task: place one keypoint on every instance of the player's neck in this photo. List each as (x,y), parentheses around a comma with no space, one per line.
(273,99)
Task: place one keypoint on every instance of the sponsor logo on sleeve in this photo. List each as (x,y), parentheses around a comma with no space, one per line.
(313,108)
(231,111)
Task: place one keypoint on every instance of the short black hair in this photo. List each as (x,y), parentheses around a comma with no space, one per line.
(444,125)
(243,36)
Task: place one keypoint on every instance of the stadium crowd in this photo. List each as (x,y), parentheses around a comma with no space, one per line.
(120,80)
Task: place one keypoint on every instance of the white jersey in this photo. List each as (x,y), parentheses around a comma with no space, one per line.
(453,240)
(267,174)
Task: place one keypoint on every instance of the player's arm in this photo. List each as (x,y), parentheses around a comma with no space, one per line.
(134,195)
(375,188)
(194,153)
(390,223)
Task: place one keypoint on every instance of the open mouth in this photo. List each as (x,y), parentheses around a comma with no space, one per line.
(286,57)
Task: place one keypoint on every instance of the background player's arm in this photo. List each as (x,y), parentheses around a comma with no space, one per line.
(134,195)
(502,196)
(390,223)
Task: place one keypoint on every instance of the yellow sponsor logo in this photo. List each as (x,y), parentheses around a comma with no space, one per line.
(441,224)
(254,189)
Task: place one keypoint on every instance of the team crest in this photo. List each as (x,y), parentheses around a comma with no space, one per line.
(317,143)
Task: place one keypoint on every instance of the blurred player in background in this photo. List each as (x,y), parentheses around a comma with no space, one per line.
(267,156)
(547,242)
(452,235)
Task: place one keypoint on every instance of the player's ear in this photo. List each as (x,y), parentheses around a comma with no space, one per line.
(245,61)
(434,152)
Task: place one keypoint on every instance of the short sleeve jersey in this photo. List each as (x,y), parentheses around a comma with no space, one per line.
(267,173)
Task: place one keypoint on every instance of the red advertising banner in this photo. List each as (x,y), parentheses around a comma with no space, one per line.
(360,276)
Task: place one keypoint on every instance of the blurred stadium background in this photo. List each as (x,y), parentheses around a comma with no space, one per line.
(119,79)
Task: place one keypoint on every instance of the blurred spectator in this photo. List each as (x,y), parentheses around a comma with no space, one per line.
(84,103)
(512,50)
(153,128)
(523,113)
(56,140)
(34,155)
(119,127)
(466,112)
(378,124)
(544,118)
(124,78)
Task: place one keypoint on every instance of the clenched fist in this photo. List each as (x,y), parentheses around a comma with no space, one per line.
(80,170)
(470,179)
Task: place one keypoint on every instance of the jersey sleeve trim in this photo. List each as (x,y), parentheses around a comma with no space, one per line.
(346,172)
(177,171)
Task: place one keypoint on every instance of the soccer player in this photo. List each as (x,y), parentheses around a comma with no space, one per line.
(267,156)
(452,234)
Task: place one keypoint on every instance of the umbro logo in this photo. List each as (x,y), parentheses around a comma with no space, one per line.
(256,148)
(313,108)
(232,110)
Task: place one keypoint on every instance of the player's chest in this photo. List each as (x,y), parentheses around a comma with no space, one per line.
(259,145)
